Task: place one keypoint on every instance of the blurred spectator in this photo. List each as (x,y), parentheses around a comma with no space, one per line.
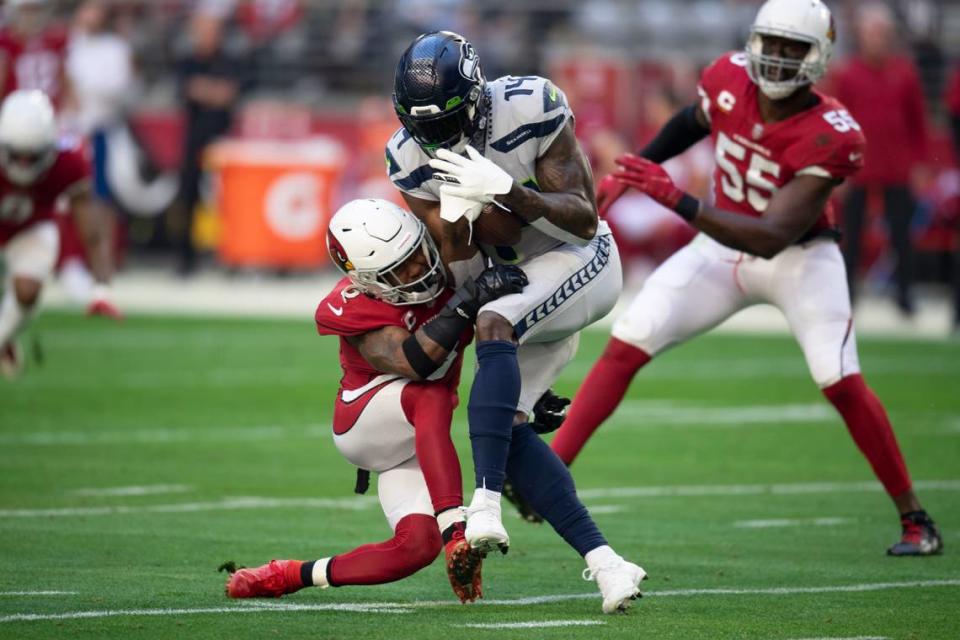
(32,50)
(211,80)
(882,90)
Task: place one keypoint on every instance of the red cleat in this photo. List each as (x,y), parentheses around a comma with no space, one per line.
(463,566)
(271,580)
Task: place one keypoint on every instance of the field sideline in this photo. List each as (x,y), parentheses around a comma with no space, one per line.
(139,457)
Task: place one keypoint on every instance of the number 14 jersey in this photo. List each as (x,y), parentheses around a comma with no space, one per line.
(755,158)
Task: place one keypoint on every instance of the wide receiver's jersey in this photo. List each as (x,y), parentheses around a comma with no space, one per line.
(756,158)
(348,312)
(21,207)
(527,113)
(34,63)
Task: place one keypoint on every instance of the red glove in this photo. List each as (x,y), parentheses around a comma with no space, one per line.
(608,190)
(650,178)
(101,304)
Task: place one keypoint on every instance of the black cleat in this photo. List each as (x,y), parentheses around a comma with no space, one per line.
(920,536)
(526,511)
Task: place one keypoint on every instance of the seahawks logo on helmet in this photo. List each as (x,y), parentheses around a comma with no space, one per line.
(469,61)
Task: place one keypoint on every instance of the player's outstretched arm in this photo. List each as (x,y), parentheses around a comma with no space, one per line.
(791,212)
(418,355)
(686,128)
(565,199)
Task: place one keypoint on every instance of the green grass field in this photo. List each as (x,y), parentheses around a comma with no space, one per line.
(725,475)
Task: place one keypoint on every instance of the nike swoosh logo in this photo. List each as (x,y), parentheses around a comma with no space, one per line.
(338,311)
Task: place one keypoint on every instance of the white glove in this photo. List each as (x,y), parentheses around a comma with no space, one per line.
(473,178)
(452,207)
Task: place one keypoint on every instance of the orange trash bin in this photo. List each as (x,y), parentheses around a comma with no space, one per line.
(274,200)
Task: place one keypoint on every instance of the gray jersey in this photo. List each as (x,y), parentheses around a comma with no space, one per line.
(527,113)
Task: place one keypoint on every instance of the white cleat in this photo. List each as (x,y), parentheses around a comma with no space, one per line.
(11,361)
(485,530)
(619,583)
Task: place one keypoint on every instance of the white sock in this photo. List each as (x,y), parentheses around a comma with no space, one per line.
(12,315)
(601,556)
(319,573)
(483,497)
(449,517)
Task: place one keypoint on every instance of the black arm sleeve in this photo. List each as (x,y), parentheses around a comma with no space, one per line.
(681,132)
(418,359)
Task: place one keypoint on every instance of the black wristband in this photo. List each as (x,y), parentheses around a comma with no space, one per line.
(688,207)
(419,361)
(446,328)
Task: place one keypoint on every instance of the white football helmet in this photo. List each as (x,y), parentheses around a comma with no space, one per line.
(28,136)
(369,239)
(803,20)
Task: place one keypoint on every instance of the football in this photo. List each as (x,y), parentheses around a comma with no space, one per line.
(494,226)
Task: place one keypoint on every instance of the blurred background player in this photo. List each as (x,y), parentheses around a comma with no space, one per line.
(953,111)
(520,156)
(897,133)
(33,50)
(781,148)
(402,335)
(34,174)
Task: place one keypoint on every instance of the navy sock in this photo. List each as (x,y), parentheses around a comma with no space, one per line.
(492,406)
(542,478)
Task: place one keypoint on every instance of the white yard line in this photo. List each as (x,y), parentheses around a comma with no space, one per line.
(406,607)
(226,504)
(113,613)
(139,490)
(37,593)
(539,624)
(640,413)
(794,488)
(162,435)
(791,522)
(360,503)
(846,638)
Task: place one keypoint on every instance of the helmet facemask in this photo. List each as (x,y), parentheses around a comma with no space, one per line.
(451,128)
(24,167)
(388,284)
(778,76)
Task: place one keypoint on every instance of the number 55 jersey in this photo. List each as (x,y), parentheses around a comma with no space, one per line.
(755,158)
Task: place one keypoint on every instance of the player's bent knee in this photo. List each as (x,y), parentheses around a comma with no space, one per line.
(419,541)
(493,326)
(27,290)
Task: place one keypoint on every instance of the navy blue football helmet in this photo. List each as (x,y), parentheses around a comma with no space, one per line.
(438,91)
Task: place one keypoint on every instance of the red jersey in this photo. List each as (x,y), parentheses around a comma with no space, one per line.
(21,207)
(348,312)
(755,158)
(34,63)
